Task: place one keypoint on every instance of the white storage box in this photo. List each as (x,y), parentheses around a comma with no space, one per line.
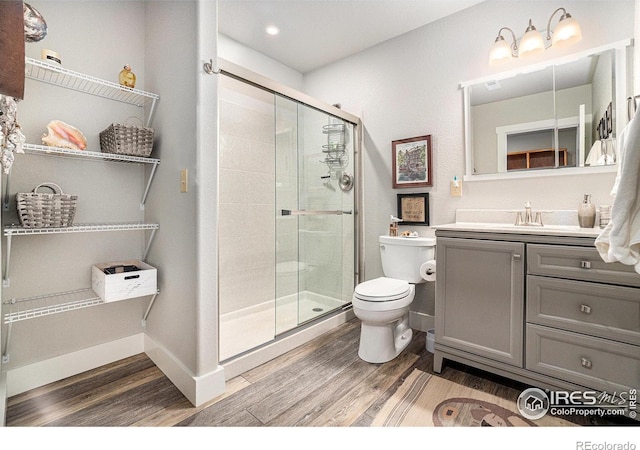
(122,284)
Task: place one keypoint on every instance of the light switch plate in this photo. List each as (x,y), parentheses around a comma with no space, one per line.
(184,181)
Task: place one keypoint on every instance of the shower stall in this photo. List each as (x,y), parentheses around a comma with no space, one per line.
(287,213)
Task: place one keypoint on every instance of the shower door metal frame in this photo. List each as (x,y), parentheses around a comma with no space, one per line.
(240,73)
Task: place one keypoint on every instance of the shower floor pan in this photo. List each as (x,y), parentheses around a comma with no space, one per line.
(251,327)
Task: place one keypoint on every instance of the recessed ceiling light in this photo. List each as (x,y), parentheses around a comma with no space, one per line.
(272,30)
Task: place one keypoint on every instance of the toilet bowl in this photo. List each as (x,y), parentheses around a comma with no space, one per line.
(382,304)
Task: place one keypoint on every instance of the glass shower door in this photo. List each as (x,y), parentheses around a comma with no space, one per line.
(286,224)
(314,215)
(246,220)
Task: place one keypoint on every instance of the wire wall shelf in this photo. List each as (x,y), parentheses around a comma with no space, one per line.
(59,76)
(81,228)
(45,150)
(14,230)
(20,309)
(84,154)
(44,305)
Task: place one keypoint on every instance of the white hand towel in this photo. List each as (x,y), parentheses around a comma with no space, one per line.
(602,153)
(594,153)
(620,239)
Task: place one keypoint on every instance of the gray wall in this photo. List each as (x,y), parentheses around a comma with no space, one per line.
(169,58)
(410,86)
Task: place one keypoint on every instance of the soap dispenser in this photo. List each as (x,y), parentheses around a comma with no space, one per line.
(586,213)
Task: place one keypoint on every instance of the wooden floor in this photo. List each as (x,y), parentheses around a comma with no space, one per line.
(322,383)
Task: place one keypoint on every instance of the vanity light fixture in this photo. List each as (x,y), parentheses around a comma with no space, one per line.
(567,32)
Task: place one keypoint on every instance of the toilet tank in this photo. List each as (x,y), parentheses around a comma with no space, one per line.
(403,256)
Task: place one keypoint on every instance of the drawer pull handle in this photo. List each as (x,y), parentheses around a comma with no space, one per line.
(516,256)
(586,362)
(585,309)
(585,264)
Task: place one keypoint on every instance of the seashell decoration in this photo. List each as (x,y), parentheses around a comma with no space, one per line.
(35,27)
(63,135)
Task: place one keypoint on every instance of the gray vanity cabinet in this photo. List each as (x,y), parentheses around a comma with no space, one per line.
(480,298)
(541,309)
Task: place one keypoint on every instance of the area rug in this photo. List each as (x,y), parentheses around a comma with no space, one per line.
(425,400)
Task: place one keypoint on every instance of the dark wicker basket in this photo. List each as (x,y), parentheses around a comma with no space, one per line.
(38,210)
(127,140)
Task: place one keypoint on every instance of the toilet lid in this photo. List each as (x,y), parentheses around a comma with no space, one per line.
(382,289)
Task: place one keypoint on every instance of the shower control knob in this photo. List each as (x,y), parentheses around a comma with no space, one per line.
(346,181)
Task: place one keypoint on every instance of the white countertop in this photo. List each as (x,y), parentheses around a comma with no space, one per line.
(546,230)
(556,223)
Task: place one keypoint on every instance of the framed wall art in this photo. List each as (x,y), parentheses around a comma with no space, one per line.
(413,209)
(411,162)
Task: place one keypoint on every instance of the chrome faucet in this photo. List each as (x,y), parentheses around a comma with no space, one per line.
(527,212)
(528,217)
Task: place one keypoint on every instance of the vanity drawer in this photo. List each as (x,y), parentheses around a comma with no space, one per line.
(579,263)
(597,309)
(588,361)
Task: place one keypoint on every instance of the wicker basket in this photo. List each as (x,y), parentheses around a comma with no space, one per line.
(127,140)
(37,210)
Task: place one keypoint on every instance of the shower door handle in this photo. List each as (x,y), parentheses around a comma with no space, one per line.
(302,212)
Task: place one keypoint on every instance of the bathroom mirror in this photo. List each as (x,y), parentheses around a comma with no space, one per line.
(560,116)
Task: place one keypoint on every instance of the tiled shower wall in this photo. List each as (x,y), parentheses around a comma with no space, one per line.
(247,196)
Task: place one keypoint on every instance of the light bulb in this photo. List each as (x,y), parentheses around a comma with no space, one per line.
(532,42)
(501,50)
(567,32)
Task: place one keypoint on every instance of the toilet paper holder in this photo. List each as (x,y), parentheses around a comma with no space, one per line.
(428,270)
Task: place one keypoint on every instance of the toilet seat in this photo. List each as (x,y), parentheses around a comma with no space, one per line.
(383,294)
(382,289)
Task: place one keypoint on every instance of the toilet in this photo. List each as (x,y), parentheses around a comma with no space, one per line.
(382,304)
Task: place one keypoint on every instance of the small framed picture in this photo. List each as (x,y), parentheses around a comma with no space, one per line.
(411,161)
(413,209)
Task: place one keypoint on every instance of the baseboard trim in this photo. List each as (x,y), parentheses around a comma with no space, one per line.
(197,389)
(29,377)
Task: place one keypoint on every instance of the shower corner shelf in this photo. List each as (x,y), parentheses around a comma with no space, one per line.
(53,74)
(335,148)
